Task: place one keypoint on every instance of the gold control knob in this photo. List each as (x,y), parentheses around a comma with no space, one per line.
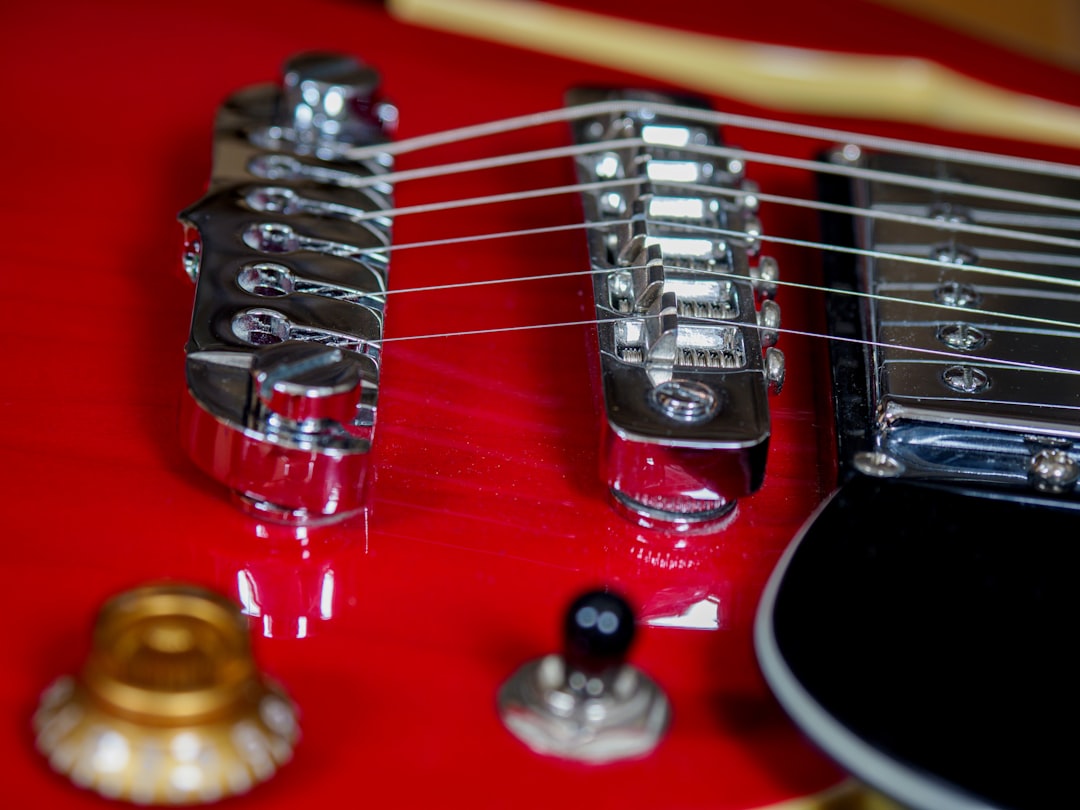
(169,707)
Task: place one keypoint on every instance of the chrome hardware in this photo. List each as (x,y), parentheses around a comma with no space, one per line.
(587,704)
(878,465)
(955,294)
(766,275)
(685,401)
(966,379)
(949,212)
(681,340)
(1053,470)
(288,250)
(962,337)
(954,254)
(775,369)
(958,390)
(769,320)
(329,99)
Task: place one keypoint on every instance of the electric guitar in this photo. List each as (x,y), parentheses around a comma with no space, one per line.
(391,631)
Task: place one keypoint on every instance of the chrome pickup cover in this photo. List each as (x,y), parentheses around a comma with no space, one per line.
(288,252)
(973,352)
(685,317)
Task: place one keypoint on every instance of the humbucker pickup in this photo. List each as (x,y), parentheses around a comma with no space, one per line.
(685,317)
(289,258)
(960,287)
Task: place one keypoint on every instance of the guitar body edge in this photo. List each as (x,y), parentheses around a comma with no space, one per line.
(929,656)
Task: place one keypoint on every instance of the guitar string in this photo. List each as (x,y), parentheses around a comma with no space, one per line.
(491,162)
(951,226)
(971,269)
(967,311)
(937,353)
(767,238)
(738,154)
(724,275)
(941,223)
(983,360)
(893,178)
(713,117)
(936,223)
(730,154)
(911,148)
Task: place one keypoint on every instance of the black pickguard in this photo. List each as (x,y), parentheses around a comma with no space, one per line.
(923,634)
(938,627)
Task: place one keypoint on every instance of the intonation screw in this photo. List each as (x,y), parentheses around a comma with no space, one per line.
(684,400)
(877,464)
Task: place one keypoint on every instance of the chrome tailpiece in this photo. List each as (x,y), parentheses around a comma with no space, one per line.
(289,255)
(686,320)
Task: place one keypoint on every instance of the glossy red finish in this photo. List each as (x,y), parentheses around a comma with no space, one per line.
(489,511)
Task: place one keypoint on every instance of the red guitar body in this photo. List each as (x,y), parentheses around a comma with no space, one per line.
(394,631)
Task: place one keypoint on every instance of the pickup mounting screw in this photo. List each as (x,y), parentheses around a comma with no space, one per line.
(1053,470)
(962,336)
(955,294)
(877,464)
(966,379)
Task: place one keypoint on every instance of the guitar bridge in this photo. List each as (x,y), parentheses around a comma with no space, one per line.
(289,257)
(685,317)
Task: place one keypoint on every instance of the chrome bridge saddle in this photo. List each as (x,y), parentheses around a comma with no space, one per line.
(685,317)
